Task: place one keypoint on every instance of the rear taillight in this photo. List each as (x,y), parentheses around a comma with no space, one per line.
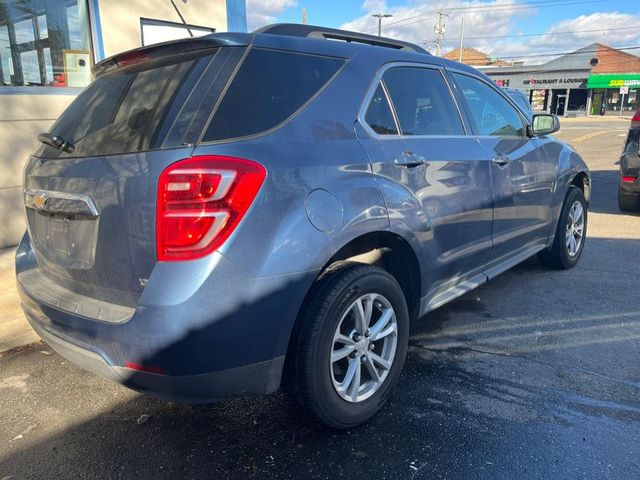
(200,202)
(627,179)
(635,121)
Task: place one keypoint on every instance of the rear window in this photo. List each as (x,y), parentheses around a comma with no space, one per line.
(269,87)
(136,108)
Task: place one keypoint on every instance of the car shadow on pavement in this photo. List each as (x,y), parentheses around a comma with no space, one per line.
(520,377)
(604,199)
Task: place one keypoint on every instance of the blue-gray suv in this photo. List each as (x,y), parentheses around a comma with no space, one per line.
(238,213)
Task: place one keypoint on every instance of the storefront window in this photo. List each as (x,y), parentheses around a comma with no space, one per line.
(577,100)
(44,43)
(631,100)
(613,100)
(538,99)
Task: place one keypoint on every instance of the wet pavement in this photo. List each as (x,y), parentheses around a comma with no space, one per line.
(534,375)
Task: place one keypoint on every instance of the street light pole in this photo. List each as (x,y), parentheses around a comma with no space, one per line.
(461,37)
(380,16)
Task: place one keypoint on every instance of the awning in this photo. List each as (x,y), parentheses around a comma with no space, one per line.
(614,80)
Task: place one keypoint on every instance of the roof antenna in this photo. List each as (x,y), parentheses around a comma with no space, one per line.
(181,17)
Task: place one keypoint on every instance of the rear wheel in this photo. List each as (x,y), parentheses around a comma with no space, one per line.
(570,234)
(350,345)
(627,201)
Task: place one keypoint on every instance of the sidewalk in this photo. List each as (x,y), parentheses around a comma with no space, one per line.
(14,328)
(597,118)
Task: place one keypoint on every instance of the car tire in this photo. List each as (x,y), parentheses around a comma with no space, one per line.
(564,253)
(628,202)
(312,375)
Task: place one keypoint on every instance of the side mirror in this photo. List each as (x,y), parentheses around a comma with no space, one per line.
(545,124)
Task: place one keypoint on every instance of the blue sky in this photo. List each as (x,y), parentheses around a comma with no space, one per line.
(483,18)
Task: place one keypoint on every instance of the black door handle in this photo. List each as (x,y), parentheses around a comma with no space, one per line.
(501,160)
(408,159)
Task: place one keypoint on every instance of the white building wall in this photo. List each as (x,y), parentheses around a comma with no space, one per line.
(27,111)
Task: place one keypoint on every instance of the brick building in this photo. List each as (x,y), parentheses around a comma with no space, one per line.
(473,57)
(614,82)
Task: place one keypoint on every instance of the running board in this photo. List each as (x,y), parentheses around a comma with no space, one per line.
(440,299)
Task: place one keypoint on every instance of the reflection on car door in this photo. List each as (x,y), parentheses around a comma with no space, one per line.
(434,177)
(521,174)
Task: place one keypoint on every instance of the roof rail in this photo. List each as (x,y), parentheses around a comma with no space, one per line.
(313,31)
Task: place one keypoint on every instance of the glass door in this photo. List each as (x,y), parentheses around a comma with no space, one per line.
(597,105)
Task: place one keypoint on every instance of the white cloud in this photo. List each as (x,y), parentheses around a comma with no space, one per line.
(595,21)
(374,6)
(263,12)
(415,21)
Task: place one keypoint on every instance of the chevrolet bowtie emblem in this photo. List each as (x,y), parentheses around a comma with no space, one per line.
(40,201)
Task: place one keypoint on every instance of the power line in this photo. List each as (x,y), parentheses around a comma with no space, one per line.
(568,32)
(557,54)
(533,4)
(494,8)
(500,8)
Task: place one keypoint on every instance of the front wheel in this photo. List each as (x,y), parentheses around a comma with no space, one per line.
(350,345)
(571,232)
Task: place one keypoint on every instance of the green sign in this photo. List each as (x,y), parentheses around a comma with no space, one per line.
(614,80)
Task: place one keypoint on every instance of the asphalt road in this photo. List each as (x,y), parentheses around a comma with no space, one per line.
(534,375)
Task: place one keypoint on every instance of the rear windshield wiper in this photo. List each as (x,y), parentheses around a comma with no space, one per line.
(56,141)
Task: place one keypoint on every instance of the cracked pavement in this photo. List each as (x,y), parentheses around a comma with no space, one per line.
(534,375)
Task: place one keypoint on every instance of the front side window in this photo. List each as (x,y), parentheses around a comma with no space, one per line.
(422,102)
(492,114)
(523,102)
(44,43)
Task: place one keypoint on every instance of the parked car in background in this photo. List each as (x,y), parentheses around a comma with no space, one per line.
(239,212)
(522,100)
(629,185)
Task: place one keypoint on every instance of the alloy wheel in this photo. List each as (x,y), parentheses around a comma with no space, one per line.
(364,347)
(575,229)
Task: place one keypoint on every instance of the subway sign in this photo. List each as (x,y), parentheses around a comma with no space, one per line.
(631,80)
(624,83)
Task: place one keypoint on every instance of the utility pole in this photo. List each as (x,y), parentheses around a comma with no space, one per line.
(461,37)
(304,16)
(380,16)
(439,31)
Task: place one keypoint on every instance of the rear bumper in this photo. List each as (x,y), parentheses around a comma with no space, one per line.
(630,187)
(200,331)
(630,167)
(263,377)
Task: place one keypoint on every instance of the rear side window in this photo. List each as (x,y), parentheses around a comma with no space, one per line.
(492,114)
(423,102)
(131,109)
(379,116)
(270,87)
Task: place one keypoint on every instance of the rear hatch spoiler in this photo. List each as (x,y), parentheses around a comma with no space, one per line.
(173,47)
